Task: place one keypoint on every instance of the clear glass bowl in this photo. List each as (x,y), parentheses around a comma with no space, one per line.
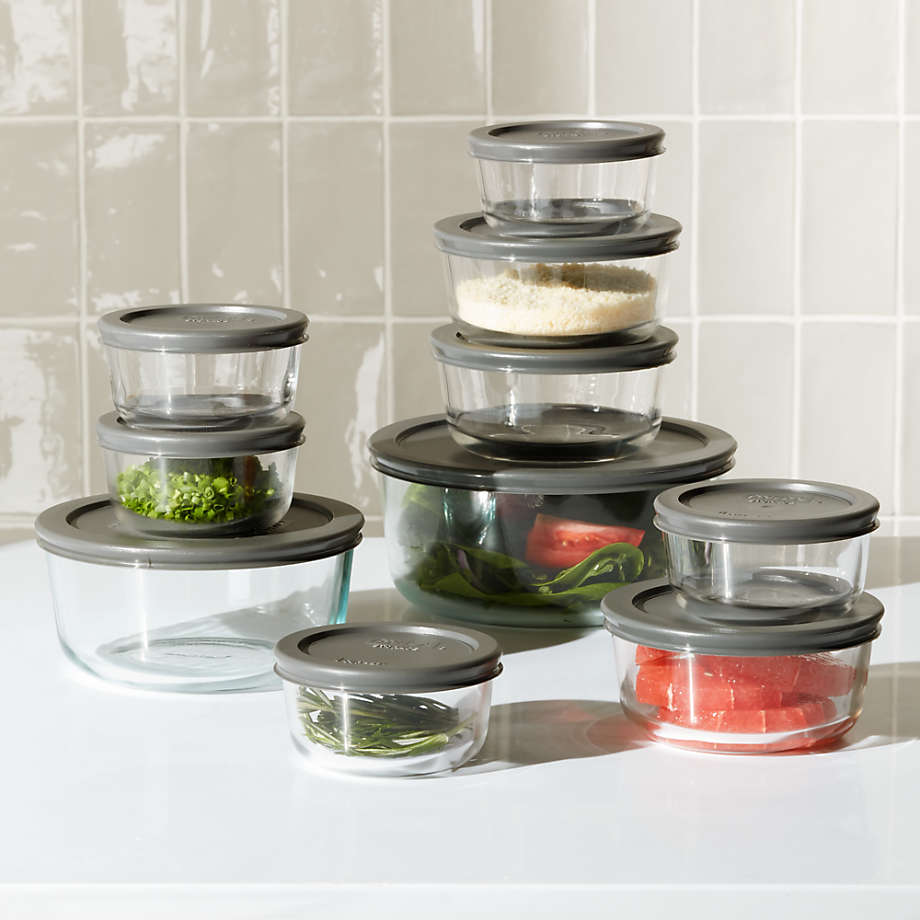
(161,389)
(565,417)
(175,496)
(782,576)
(388,733)
(742,704)
(535,199)
(191,630)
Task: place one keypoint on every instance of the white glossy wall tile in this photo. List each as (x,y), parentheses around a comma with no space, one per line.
(297,152)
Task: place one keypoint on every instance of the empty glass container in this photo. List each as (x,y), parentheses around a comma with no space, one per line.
(202,365)
(565,177)
(774,543)
(737,684)
(388,699)
(552,404)
(556,290)
(230,481)
(196,615)
(528,544)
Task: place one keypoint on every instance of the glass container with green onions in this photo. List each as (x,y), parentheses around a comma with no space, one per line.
(388,699)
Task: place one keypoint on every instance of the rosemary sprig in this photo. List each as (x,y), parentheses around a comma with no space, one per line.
(378,724)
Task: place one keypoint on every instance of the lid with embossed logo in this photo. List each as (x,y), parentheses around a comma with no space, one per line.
(404,657)
(567,141)
(767,511)
(203,327)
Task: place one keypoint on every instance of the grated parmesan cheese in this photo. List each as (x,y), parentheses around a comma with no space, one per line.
(571,298)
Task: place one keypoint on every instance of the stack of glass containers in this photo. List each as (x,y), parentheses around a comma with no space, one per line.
(532,496)
(759,638)
(201,556)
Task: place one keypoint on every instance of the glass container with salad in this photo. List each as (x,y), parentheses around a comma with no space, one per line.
(528,544)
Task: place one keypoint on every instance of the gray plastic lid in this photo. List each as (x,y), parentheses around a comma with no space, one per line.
(398,657)
(422,450)
(770,511)
(258,436)
(655,614)
(87,529)
(469,235)
(203,327)
(570,141)
(450,347)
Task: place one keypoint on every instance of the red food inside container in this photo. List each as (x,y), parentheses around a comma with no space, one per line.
(742,695)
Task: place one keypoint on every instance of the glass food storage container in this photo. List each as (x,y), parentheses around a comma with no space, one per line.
(196,615)
(561,404)
(527,544)
(555,291)
(565,177)
(202,365)
(775,543)
(733,682)
(221,482)
(387,699)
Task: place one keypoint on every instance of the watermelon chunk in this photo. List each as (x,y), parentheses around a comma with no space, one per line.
(645,653)
(796,713)
(682,684)
(817,675)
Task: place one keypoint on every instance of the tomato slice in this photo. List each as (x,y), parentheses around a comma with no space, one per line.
(556,543)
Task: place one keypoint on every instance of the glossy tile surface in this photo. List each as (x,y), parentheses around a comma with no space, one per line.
(39,220)
(437,54)
(337,217)
(130,58)
(335,55)
(234,212)
(132,215)
(37,59)
(39,417)
(233,57)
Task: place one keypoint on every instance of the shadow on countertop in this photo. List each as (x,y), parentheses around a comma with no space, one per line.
(543,731)
(891,707)
(387,605)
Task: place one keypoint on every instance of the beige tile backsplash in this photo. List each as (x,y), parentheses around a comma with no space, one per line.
(297,152)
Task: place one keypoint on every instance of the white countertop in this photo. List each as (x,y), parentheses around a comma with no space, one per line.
(125,804)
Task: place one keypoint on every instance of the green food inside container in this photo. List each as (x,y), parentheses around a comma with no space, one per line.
(476,546)
(377,724)
(210,491)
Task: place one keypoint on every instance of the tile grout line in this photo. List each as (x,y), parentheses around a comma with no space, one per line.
(592,57)
(900,205)
(798,160)
(439,117)
(695,210)
(388,347)
(487,64)
(181,32)
(83,334)
(286,293)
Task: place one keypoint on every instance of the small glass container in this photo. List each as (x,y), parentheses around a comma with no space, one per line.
(770,543)
(558,404)
(388,699)
(198,615)
(202,365)
(556,290)
(221,482)
(736,683)
(528,544)
(565,177)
